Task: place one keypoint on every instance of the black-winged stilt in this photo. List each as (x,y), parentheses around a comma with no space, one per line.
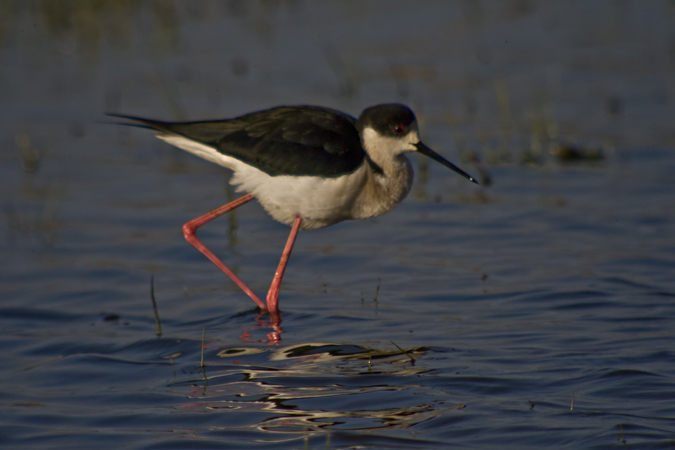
(308,166)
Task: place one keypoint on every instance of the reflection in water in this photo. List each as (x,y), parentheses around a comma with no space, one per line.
(274,336)
(300,384)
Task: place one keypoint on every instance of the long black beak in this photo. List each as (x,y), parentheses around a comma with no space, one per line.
(426,151)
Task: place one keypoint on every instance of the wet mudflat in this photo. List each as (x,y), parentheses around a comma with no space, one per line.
(534,311)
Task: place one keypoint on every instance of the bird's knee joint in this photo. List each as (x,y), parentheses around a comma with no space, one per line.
(188,231)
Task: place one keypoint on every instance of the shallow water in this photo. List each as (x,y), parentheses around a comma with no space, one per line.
(534,311)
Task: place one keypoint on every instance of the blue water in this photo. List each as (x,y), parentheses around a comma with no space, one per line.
(534,311)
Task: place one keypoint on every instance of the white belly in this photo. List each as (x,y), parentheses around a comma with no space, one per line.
(318,201)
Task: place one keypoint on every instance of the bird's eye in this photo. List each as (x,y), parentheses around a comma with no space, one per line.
(398,129)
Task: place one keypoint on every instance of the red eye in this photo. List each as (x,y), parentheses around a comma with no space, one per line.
(398,129)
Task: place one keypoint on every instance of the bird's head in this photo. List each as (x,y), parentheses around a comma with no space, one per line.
(392,129)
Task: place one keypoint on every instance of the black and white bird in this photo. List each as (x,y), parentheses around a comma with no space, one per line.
(308,166)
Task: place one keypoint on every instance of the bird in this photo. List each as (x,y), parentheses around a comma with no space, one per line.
(308,166)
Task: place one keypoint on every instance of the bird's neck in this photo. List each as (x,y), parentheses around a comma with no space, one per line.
(386,185)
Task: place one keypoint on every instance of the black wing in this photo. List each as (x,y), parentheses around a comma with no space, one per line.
(303,140)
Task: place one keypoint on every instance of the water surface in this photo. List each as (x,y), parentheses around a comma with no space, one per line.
(534,311)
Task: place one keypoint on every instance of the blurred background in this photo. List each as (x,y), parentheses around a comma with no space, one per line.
(538,306)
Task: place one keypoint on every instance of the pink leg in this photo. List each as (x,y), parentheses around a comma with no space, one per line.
(190,228)
(273,294)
